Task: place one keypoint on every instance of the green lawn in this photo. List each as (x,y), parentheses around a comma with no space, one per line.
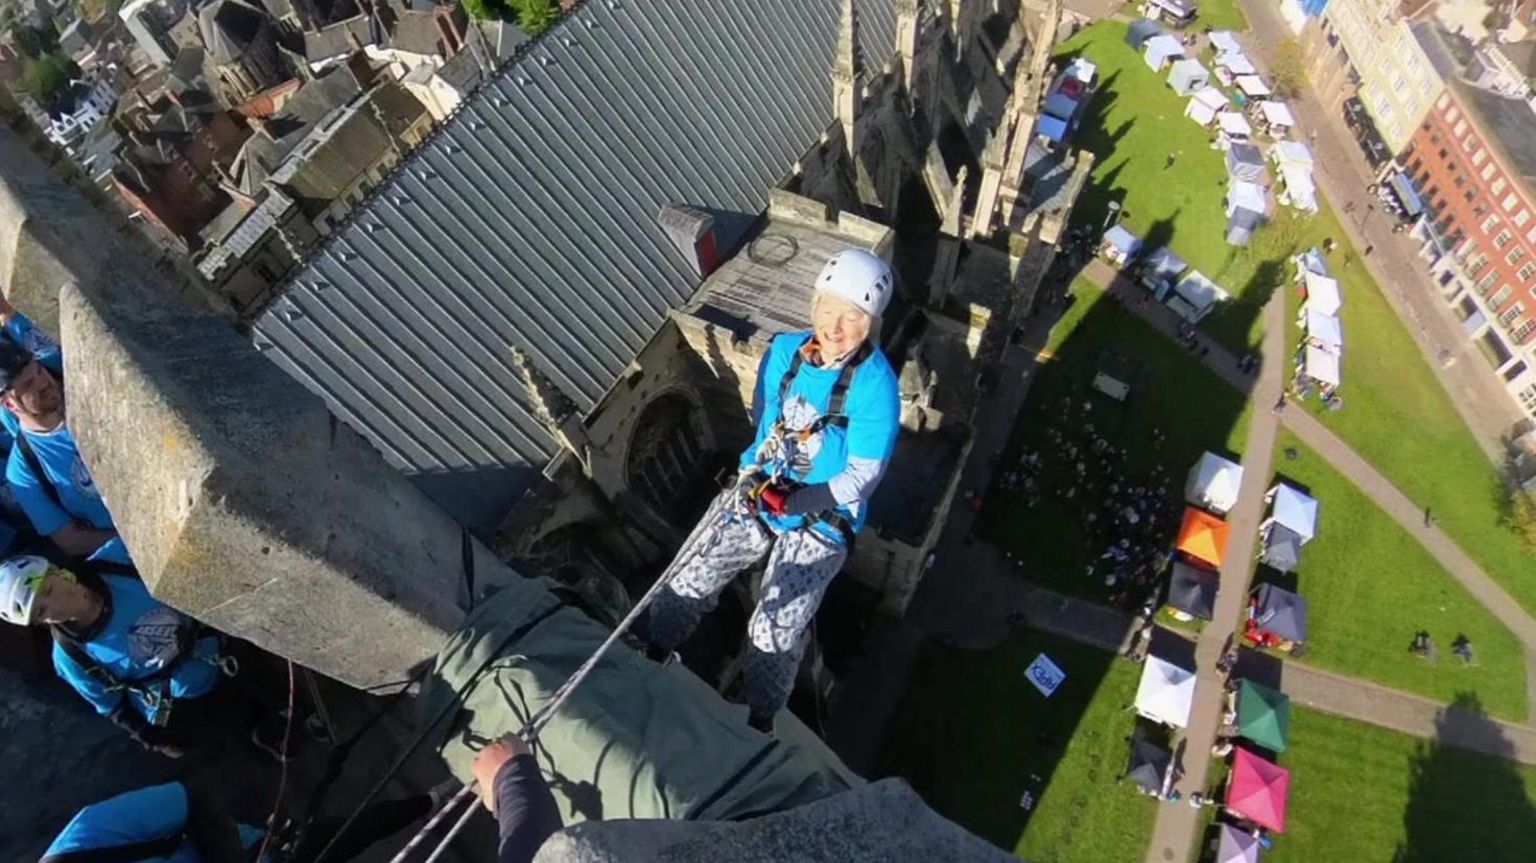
(1363,794)
(1133,125)
(1400,419)
(1051,537)
(972,733)
(1370,586)
(1221,15)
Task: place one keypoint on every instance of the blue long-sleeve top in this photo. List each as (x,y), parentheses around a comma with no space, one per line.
(848,459)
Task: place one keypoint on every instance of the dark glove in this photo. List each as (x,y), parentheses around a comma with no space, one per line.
(810,499)
(795,499)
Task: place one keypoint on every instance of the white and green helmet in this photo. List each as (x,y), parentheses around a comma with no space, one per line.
(20,579)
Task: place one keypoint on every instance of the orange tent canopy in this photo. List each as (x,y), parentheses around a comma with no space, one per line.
(1203,536)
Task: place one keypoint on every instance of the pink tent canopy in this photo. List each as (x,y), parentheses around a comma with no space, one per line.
(1258,790)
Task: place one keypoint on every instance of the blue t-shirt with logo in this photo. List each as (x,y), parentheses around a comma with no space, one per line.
(66,472)
(143,815)
(872,405)
(140,639)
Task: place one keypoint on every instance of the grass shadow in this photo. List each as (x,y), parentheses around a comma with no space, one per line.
(1466,805)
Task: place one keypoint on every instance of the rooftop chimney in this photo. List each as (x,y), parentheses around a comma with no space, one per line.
(693,232)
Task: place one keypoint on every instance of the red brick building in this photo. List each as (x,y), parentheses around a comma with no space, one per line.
(1473,161)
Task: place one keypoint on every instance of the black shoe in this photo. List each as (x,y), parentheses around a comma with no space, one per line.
(761,722)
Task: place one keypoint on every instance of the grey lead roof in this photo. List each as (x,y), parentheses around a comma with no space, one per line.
(528,220)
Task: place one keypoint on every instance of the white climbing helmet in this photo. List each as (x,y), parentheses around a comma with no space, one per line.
(20,578)
(860,277)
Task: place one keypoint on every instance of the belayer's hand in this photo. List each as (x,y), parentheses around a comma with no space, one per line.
(490,761)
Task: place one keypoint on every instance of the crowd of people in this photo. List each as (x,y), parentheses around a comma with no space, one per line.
(1128,517)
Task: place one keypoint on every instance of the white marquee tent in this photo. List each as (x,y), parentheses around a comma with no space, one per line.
(1291,153)
(1213,483)
(1236,63)
(1225,42)
(1234,124)
(1166,693)
(1322,294)
(1160,50)
(1324,331)
(1204,105)
(1294,511)
(1321,366)
(1195,296)
(1252,85)
(1300,191)
(1277,114)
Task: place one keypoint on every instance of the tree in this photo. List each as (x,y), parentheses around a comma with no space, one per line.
(485,10)
(34,41)
(1289,69)
(1522,517)
(47,78)
(536,16)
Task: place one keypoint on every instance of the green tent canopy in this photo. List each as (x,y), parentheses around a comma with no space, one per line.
(1263,715)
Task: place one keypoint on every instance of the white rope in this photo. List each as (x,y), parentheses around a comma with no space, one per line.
(713,519)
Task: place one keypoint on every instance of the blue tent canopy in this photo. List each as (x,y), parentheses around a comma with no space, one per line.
(1282,613)
(1407,195)
(1123,241)
(1313,261)
(1061,105)
(1053,128)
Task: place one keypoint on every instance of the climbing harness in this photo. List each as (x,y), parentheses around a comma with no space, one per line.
(783,443)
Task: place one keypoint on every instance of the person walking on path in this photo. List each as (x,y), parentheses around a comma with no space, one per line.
(827,413)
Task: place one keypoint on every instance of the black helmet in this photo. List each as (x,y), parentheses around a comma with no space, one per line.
(13,360)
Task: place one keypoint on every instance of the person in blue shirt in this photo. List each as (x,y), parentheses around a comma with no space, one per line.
(177,823)
(18,329)
(137,661)
(827,412)
(47,477)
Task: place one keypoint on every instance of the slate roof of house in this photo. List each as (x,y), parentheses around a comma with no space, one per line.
(528,221)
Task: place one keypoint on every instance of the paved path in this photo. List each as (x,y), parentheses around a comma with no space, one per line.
(1326,691)
(1410,516)
(1178,827)
(1362,700)
(1377,487)
(1343,175)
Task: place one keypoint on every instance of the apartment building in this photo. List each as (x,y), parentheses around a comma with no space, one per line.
(1473,158)
(1383,53)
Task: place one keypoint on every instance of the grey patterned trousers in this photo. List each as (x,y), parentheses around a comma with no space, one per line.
(801,563)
